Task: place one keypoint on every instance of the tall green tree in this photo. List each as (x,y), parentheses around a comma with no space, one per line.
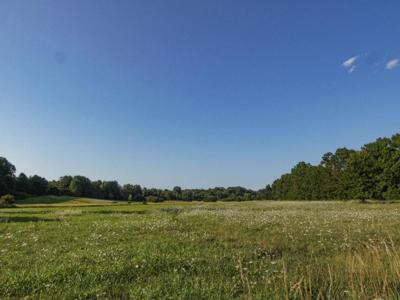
(38,185)
(80,186)
(336,164)
(7,177)
(132,192)
(111,190)
(23,183)
(177,192)
(63,184)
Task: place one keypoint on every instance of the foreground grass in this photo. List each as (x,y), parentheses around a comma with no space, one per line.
(257,250)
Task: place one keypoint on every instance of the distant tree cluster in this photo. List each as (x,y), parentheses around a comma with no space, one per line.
(10,184)
(373,172)
(81,186)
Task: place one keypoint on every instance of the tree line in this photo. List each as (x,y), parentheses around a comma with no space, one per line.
(373,172)
(81,186)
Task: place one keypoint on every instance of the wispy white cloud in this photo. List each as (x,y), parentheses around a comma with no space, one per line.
(392,64)
(350,64)
(351,69)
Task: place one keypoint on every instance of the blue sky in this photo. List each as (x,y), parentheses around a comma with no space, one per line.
(193,93)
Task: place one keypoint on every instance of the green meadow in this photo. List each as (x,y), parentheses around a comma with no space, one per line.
(76,248)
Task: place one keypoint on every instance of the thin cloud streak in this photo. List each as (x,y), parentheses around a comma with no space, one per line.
(352,69)
(392,64)
(350,62)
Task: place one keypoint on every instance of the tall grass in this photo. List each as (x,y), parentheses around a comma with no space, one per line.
(254,250)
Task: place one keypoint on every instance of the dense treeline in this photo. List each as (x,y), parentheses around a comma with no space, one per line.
(373,172)
(81,186)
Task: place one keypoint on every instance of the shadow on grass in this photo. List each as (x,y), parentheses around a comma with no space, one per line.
(46,200)
(25,219)
(377,201)
(28,212)
(111,212)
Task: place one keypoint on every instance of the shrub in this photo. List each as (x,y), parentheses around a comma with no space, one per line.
(170,210)
(7,200)
(21,196)
(153,199)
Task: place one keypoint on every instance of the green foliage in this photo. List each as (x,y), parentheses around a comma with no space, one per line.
(63,185)
(23,184)
(153,199)
(111,190)
(336,166)
(7,176)
(38,185)
(373,172)
(7,200)
(177,192)
(132,192)
(80,186)
(305,182)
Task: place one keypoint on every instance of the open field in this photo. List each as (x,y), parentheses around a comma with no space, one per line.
(251,250)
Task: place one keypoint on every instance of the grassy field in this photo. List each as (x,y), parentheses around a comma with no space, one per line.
(68,201)
(248,250)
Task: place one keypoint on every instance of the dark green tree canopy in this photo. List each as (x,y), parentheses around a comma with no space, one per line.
(7,176)
(373,172)
(38,185)
(23,184)
(80,186)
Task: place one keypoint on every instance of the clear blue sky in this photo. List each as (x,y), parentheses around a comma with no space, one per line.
(193,93)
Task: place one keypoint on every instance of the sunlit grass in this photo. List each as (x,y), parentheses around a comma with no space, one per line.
(252,250)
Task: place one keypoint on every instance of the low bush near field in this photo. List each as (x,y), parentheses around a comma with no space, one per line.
(7,201)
